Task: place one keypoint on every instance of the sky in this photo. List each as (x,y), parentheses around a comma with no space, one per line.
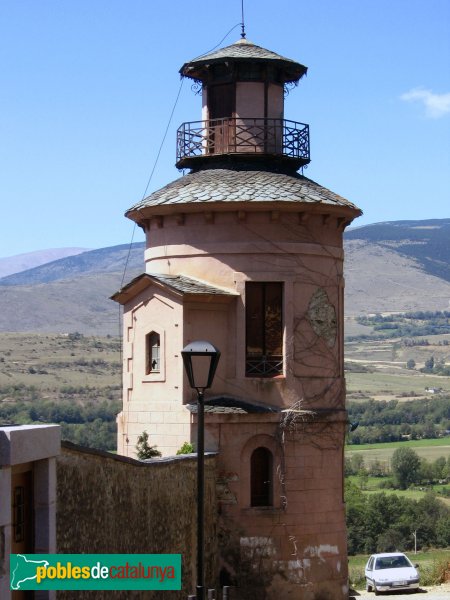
(87,88)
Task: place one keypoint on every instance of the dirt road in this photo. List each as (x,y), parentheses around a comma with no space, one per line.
(440,592)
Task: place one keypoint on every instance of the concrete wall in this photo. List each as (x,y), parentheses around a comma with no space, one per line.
(111,504)
(30,450)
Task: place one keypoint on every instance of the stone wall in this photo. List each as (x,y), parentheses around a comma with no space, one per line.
(112,504)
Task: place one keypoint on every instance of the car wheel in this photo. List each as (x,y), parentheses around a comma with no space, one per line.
(368,587)
(375,590)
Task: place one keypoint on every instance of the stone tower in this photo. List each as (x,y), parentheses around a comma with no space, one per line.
(245,252)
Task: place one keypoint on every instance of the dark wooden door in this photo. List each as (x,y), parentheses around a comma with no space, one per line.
(221,108)
(22,539)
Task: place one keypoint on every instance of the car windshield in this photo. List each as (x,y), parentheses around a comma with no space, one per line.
(392,562)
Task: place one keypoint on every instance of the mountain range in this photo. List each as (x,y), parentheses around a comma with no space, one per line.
(29,260)
(70,294)
(393,266)
(397,266)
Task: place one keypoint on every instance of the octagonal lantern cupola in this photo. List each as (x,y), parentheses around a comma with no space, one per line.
(243,89)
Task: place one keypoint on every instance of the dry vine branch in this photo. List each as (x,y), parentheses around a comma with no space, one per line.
(295,414)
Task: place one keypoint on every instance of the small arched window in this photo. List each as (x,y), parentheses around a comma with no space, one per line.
(261,477)
(153,353)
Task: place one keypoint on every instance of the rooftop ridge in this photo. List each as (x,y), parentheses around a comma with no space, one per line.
(210,186)
(243,50)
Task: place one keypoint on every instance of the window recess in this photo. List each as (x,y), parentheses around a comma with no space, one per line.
(261,477)
(153,353)
(264,329)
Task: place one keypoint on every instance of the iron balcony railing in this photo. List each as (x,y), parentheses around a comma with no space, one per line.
(249,136)
(263,366)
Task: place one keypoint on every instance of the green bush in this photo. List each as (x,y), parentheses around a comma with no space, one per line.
(434,574)
(186,448)
(356,577)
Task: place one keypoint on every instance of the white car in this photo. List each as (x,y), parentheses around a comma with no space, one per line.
(390,571)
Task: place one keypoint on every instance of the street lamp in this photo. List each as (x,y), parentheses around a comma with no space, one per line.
(200,360)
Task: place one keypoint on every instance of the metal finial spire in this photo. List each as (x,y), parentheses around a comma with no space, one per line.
(242,21)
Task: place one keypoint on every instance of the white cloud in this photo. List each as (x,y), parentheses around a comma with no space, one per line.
(436,105)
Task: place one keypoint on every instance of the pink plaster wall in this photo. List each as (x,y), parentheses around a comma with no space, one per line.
(297,548)
(249,99)
(275,101)
(153,402)
(228,252)
(304,533)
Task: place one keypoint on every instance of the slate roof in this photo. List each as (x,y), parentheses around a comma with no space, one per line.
(227,405)
(180,283)
(187,285)
(233,185)
(241,51)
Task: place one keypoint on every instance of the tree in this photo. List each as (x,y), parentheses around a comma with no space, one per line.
(431,510)
(439,468)
(356,518)
(390,540)
(426,472)
(411,363)
(443,531)
(447,468)
(357,463)
(383,512)
(377,469)
(405,467)
(429,364)
(143,449)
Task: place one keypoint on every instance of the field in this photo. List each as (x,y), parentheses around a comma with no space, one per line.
(377,368)
(55,364)
(371,485)
(385,385)
(68,379)
(382,453)
(428,449)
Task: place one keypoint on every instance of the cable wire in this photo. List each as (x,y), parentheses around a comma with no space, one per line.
(161,147)
(224,38)
(143,196)
(151,176)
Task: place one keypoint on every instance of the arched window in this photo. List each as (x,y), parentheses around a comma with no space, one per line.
(153,348)
(261,477)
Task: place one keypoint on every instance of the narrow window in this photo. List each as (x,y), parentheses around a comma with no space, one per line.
(153,362)
(264,329)
(261,474)
(19,507)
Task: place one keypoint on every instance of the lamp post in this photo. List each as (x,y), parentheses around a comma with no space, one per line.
(200,360)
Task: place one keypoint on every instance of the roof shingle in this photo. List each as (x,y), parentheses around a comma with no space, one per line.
(244,50)
(179,283)
(234,185)
(228,405)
